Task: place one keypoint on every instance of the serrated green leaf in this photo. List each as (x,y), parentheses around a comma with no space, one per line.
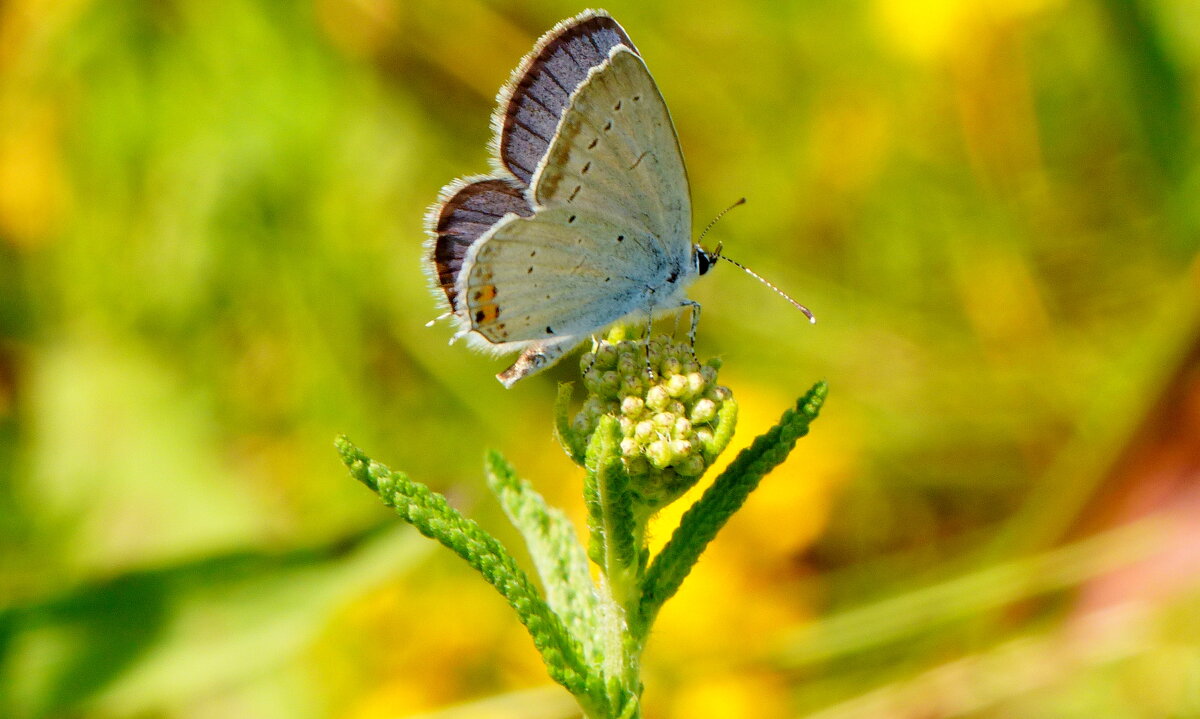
(561,562)
(432,515)
(572,443)
(726,495)
(610,505)
(723,432)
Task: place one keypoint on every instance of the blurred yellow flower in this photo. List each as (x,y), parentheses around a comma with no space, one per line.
(732,695)
(929,30)
(33,189)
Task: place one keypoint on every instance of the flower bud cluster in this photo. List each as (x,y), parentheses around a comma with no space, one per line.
(667,404)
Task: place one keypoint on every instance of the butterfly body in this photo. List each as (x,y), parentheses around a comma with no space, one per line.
(587,220)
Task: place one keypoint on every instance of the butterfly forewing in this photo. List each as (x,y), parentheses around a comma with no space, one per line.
(611,187)
(533,102)
(616,152)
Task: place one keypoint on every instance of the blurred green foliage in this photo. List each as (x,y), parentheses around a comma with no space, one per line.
(210,232)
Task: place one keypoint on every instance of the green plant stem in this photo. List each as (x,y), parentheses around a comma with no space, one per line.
(590,641)
(728,492)
(621,667)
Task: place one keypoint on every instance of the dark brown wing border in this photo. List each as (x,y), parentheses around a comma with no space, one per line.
(466,210)
(531,104)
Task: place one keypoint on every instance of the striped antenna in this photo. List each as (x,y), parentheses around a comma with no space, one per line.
(720,214)
(717,255)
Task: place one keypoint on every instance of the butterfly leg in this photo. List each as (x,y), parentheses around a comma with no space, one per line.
(679,309)
(695,307)
(646,344)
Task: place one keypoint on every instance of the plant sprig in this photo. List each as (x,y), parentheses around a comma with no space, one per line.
(640,441)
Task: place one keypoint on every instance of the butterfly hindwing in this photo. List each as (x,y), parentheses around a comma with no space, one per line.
(532,278)
(467,210)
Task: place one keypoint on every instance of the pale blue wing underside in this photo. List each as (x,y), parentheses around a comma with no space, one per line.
(610,233)
(616,153)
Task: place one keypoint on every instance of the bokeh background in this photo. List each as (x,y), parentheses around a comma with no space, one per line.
(210,233)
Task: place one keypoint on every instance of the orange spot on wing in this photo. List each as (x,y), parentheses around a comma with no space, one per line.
(486,314)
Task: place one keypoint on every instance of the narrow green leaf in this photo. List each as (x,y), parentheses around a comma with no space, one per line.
(572,442)
(723,432)
(560,559)
(726,495)
(429,512)
(610,504)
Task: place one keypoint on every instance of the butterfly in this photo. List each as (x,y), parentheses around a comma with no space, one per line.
(586,219)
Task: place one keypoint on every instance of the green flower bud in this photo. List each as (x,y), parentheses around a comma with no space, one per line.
(682,426)
(669,417)
(663,421)
(627,364)
(676,385)
(659,454)
(656,351)
(605,357)
(692,466)
(593,406)
(592,379)
(657,397)
(718,394)
(610,384)
(582,424)
(632,385)
(704,411)
(632,406)
(637,465)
